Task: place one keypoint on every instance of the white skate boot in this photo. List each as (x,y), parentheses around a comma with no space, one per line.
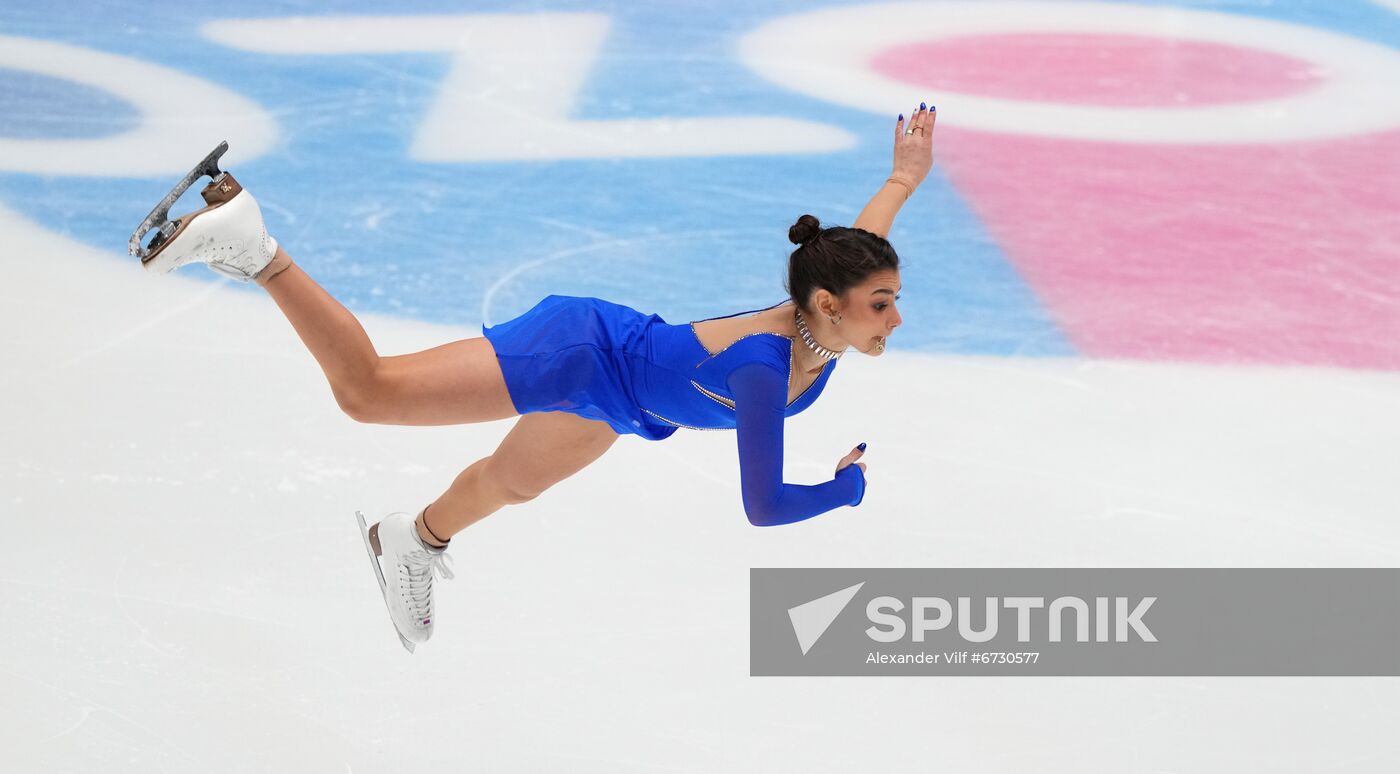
(228,234)
(404,565)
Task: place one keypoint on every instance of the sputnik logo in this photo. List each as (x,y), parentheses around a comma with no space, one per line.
(810,620)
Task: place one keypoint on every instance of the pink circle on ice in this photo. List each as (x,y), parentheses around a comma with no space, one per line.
(1117,70)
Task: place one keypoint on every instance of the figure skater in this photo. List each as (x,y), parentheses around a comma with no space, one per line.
(579,371)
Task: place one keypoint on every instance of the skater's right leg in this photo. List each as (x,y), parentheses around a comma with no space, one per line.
(455,383)
(336,339)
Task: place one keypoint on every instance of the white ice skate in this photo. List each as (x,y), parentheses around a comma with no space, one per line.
(228,234)
(404,566)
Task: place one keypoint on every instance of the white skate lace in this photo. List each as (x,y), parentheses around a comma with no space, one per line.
(417,586)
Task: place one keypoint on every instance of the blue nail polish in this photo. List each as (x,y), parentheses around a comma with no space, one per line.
(901,116)
(861,447)
(933,109)
(922,106)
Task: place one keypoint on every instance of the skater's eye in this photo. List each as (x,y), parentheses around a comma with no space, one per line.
(880,307)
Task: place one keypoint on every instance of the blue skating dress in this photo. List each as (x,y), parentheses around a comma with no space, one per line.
(644,376)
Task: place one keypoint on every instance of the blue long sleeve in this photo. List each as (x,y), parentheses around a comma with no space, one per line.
(760,397)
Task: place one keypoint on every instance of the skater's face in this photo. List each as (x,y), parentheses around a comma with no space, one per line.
(870,309)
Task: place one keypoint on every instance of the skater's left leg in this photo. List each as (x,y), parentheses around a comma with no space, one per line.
(542,449)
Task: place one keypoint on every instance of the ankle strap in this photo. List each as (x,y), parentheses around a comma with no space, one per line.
(430,529)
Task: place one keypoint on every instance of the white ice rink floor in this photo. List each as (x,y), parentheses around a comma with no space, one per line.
(184,588)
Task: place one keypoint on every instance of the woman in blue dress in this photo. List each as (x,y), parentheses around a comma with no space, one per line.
(581,371)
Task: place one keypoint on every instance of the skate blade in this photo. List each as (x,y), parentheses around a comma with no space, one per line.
(379,576)
(158,218)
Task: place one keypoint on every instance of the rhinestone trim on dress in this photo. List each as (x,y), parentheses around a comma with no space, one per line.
(678,424)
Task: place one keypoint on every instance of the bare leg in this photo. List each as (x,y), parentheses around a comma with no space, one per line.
(539,452)
(335,338)
(456,383)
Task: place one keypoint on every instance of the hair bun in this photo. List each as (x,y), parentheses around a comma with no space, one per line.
(804,230)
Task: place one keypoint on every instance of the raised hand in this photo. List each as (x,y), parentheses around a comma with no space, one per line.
(913,146)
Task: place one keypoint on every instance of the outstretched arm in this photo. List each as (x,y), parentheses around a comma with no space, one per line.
(913,157)
(760,397)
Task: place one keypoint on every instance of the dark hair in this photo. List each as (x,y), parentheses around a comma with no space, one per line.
(835,258)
